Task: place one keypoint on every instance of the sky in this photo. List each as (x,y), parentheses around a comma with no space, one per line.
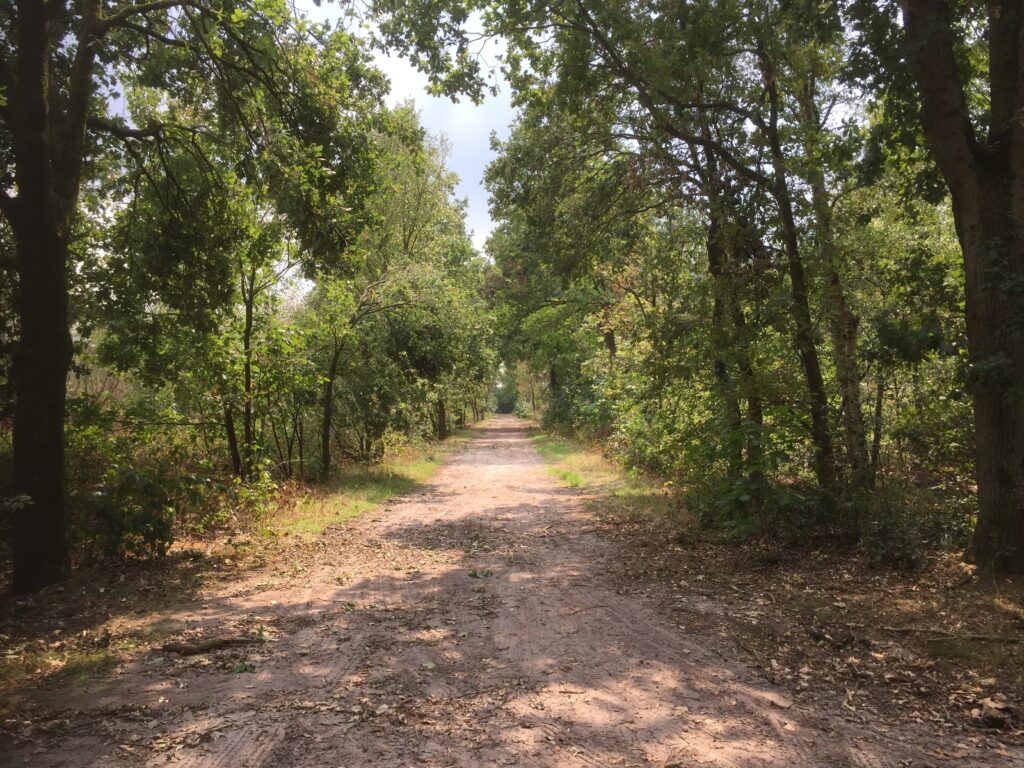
(467,125)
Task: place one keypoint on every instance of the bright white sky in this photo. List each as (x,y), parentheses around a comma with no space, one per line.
(467,125)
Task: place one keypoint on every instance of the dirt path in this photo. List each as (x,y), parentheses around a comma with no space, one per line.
(470,624)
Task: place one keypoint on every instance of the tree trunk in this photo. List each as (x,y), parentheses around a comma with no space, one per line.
(328,413)
(302,440)
(442,419)
(249,297)
(41,362)
(994,328)
(803,335)
(610,343)
(803,327)
(842,320)
(986,182)
(720,340)
(229,428)
(47,127)
(43,354)
(876,434)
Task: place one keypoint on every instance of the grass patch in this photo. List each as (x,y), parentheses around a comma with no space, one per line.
(19,665)
(357,490)
(578,465)
(616,491)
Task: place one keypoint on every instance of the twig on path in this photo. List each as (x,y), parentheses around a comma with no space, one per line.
(481,692)
(585,608)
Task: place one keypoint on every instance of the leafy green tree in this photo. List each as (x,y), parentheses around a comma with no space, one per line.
(291,98)
(961,64)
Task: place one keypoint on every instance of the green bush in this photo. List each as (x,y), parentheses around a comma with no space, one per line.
(893,537)
(903,521)
(134,512)
(745,508)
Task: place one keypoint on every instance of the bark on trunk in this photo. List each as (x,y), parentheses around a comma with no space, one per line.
(803,336)
(47,126)
(997,356)
(876,436)
(248,438)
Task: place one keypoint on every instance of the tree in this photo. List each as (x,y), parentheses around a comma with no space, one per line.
(961,64)
(291,97)
(382,340)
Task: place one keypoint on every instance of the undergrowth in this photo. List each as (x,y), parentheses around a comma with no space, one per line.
(610,489)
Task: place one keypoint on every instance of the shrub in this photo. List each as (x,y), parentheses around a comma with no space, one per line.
(134,512)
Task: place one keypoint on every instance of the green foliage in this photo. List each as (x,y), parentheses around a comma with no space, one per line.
(134,512)
(506,393)
(672,198)
(204,302)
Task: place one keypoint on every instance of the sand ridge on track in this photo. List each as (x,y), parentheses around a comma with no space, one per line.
(468,624)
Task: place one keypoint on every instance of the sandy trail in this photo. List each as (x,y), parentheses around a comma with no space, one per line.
(470,624)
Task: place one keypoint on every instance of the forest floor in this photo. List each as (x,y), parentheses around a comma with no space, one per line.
(503,615)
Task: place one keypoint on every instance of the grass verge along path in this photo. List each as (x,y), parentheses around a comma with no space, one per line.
(356,490)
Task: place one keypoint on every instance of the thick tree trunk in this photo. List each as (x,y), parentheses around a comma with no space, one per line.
(48,131)
(995,337)
(328,413)
(41,362)
(986,182)
(40,222)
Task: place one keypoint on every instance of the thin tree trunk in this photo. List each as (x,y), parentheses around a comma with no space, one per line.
(328,413)
(843,321)
(754,428)
(720,338)
(803,337)
(280,451)
(442,419)
(876,435)
(249,296)
(229,427)
(302,440)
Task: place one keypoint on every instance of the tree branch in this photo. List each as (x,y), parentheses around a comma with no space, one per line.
(106,23)
(122,131)
(944,113)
